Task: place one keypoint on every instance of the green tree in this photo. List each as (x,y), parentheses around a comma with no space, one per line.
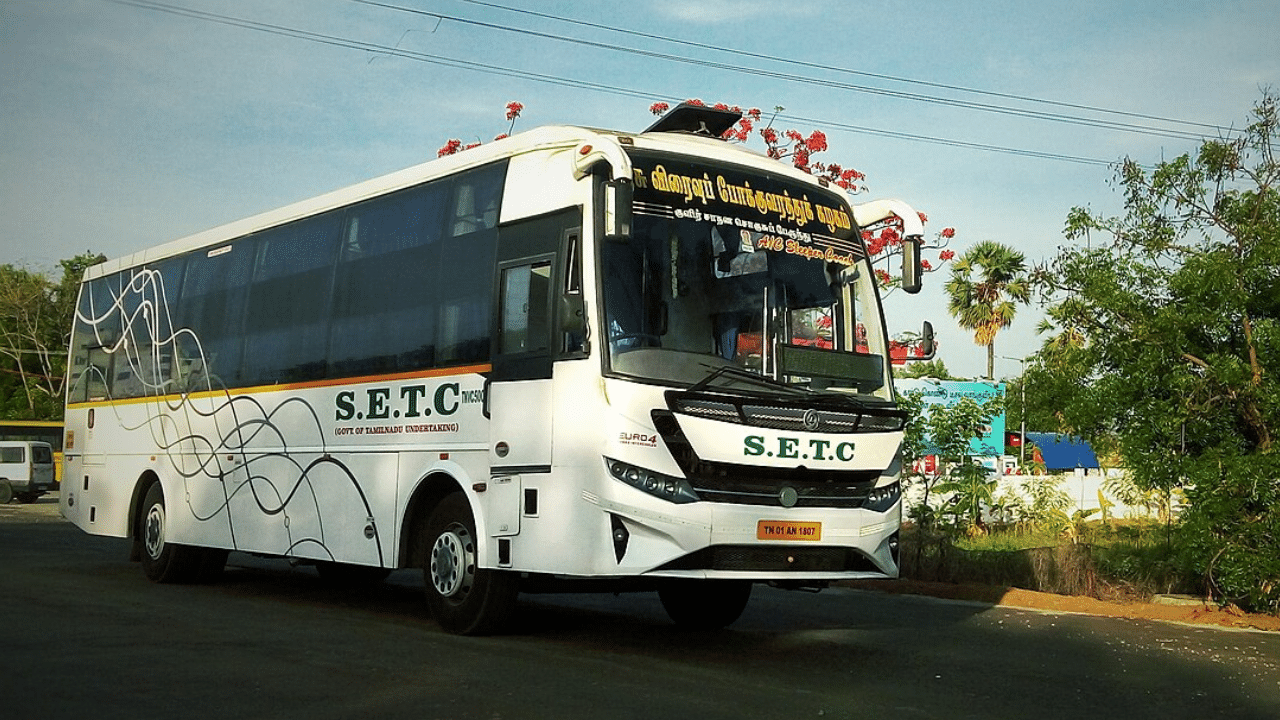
(987,282)
(950,430)
(1171,313)
(35,325)
(925,369)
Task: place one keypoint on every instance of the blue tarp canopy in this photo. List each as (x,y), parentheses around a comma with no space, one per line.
(1063,452)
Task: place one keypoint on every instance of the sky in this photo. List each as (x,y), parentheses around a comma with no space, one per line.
(128,123)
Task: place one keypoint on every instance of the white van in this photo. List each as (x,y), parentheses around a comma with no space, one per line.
(26,470)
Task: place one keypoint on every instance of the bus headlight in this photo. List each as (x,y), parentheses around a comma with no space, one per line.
(672,489)
(882,498)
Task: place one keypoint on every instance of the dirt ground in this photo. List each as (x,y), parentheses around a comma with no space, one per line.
(1181,611)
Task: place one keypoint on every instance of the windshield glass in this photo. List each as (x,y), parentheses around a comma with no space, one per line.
(740,280)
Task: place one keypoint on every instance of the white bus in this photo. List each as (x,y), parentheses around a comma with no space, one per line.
(647,360)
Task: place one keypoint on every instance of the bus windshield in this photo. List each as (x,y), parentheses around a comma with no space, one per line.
(773,293)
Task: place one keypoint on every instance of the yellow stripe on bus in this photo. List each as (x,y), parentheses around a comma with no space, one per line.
(414,375)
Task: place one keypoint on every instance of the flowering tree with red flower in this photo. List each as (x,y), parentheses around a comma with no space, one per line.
(455,146)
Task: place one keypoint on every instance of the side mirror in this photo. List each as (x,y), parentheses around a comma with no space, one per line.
(928,346)
(912,267)
(618,195)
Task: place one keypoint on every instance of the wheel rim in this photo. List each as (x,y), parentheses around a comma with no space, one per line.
(453,564)
(153,531)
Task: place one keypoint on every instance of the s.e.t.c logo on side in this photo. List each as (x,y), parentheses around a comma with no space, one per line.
(413,401)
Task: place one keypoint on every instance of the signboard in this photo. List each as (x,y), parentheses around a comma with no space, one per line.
(947,393)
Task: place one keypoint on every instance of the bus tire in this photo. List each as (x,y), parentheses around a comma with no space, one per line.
(163,561)
(704,604)
(464,598)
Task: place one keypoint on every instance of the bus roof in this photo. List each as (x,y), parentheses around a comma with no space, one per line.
(542,138)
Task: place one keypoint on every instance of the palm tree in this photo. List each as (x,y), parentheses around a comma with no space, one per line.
(986,284)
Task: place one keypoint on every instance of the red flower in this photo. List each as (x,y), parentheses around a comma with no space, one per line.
(720,106)
(852,175)
(770,136)
(926,265)
(450,148)
(513,110)
(658,108)
(696,101)
(754,113)
(948,233)
(503,136)
(923,218)
(946,255)
(794,136)
(817,141)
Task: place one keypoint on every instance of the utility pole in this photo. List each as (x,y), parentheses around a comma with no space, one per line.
(1022,411)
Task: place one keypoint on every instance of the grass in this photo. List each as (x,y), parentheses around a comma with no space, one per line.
(1116,560)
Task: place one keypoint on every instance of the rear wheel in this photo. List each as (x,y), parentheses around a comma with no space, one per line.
(6,492)
(704,604)
(163,561)
(464,598)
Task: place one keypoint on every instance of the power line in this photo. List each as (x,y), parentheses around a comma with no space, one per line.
(862,73)
(824,82)
(348,43)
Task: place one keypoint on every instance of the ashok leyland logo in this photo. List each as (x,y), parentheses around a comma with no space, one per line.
(811,420)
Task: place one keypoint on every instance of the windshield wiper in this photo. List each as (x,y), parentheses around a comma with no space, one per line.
(744,374)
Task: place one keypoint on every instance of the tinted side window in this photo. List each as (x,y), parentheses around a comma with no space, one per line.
(211,330)
(465,274)
(12,455)
(41,454)
(144,364)
(414,283)
(287,317)
(383,317)
(97,328)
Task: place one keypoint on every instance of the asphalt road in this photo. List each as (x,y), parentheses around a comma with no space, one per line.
(88,637)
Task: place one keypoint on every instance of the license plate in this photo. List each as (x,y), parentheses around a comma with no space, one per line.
(789,531)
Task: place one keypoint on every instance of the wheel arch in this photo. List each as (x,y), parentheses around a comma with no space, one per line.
(426,496)
(140,488)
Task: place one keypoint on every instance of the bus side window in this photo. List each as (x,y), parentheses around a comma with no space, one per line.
(211,314)
(287,320)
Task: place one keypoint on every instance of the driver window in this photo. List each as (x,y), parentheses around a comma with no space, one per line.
(526,308)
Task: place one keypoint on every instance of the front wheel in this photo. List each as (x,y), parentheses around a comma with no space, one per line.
(463,597)
(704,604)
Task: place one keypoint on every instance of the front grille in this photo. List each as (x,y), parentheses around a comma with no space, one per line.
(745,485)
(774,558)
(839,417)
(790,487)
